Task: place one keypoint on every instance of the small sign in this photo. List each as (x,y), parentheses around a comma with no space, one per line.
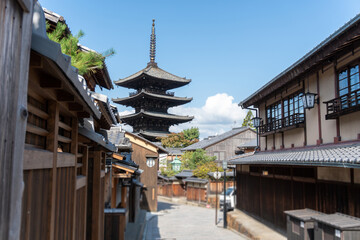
(126,182)
(302,224)
(337,233)
(217,175)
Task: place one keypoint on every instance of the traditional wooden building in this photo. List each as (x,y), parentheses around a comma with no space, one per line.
(224,145)
(146,155)
(307,158)
(64,162)
(152,99)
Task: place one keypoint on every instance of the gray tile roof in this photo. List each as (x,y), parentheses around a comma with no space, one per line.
(98,138)
(344,155)
(174,151)
(117,137)
(208,142)
(185,174)
(156,72)
(106,103)
(339,221)
(195,180)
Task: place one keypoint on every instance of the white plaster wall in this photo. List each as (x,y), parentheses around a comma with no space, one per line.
(294,136)
(327,92)
(350,126)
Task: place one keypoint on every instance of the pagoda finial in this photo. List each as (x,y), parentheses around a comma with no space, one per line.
(152,43)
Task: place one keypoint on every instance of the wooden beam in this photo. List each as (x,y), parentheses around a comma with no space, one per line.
(15,41)
(83,114)
(36,130)
(64,96)
(38,112)
(36,60)
(66,160)
(96,204)
(52,145)
(47,81)
(37,159)
(64,139)
(80,182)
(74,106)
(74,151)
(65,126)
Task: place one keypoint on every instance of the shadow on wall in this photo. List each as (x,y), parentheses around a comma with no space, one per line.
(144,203)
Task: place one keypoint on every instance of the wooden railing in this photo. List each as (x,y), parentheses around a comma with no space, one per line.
(281,124)
(342,105)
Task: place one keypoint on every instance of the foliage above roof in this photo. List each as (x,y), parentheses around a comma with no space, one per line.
(85,62)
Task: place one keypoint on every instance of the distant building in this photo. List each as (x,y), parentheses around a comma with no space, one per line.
(151,99)
(224,145)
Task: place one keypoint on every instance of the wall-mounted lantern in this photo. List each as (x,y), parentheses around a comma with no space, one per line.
(309,100)
(150,161)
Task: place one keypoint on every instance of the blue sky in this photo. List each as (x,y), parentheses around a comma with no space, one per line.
(228,48)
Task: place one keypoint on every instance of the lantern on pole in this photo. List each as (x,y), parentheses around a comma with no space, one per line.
(176,164)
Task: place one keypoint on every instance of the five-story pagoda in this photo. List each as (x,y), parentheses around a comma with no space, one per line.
(152,99)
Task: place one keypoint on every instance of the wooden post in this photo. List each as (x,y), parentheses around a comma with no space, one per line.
(15,25)
(95,225)
(74,150)
(51,145)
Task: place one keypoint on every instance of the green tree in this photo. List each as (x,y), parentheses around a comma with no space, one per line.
(191,133)
(203,169)
(85,62)
(193,159)
(248,120)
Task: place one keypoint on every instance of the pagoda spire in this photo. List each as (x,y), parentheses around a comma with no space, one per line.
(152,45)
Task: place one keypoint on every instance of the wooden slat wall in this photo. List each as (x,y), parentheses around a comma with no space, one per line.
(15,40)
(80,220)
(267,197)
(35,216)
(65,190)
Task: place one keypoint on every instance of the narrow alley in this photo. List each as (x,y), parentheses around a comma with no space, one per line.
(178,221)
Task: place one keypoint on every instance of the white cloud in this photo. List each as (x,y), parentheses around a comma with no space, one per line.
(219,114)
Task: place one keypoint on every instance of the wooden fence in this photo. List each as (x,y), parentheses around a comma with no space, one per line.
(196,194)
(212,186)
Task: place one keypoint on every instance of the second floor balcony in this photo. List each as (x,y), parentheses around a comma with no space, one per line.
(156,91)
(342,105)
(279,125)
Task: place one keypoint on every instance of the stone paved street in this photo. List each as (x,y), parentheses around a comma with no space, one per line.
(186,222)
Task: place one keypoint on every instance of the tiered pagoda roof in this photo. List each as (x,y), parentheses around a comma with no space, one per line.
(152,99)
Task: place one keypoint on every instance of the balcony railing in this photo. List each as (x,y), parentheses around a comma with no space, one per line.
(342,105)
(279,125)
(153,91)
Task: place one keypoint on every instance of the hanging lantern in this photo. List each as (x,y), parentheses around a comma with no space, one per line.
(256,122)
(308,100)
(176,164)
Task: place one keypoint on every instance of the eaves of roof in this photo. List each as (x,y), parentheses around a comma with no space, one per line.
(343,155)
(303,64)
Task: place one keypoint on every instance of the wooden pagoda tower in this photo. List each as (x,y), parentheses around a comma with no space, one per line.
(152,99)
